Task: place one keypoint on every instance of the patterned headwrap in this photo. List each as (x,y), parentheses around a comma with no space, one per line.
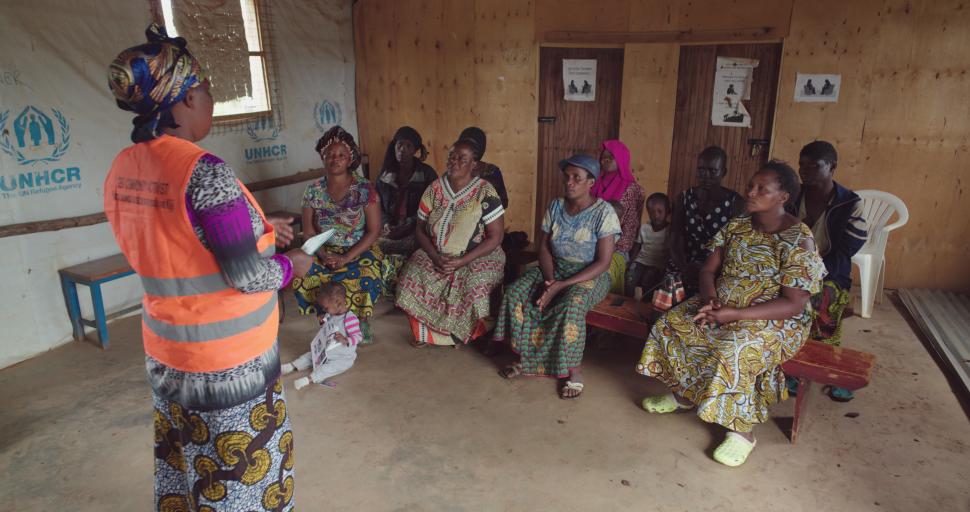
(150,78)
(338,134)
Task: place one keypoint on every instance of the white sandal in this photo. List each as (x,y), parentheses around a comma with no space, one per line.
(572,386)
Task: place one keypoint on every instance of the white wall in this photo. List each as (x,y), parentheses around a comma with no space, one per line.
(54,56)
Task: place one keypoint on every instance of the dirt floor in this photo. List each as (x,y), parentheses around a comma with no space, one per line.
(438,429)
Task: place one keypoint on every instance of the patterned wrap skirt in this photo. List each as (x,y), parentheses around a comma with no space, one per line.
(361,277)
(444,308)
(732,372)
(396,254)
(238,458)
(828,306)
(549,342)
(617,272)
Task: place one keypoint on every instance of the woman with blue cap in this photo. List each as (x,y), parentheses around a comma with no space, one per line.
(543,313)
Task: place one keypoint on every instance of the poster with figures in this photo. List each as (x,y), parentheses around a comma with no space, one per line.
(817,88)
(579,79)
(732,86)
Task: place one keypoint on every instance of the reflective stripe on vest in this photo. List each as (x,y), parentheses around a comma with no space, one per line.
(212,330)
(193,320)
(183,286)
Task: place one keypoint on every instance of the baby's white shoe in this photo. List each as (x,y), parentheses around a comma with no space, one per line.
(287,368)
(301,383)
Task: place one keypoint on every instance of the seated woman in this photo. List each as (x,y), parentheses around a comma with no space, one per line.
(617,186)
(484,170)
(698,214)
(347,204)
(722,351)
(403,179)
(835,215)
(543,313)
(445,287)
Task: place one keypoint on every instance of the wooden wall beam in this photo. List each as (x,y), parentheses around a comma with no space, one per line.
(28,228)
(663,36)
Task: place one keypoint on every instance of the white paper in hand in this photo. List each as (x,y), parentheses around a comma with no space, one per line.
(313,244)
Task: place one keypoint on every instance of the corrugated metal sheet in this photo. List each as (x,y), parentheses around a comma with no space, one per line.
(944,318)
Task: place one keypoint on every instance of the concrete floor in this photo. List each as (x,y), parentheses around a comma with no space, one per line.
(437,429)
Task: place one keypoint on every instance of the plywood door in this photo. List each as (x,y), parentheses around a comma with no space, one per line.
(568,127)
(692,117)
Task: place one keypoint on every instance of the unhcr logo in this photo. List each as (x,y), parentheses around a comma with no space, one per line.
(326,114)
(264,131)
(36,138)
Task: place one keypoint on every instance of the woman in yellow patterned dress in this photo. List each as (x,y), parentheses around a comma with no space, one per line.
(721,351)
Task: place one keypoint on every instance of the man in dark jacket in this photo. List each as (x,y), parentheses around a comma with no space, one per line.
(834,213)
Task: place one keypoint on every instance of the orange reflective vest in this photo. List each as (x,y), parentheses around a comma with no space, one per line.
(192,320)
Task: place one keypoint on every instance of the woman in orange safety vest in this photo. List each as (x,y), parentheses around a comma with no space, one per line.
(205,253)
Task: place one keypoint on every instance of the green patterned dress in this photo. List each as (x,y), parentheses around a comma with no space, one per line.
(732,373)
(551,342)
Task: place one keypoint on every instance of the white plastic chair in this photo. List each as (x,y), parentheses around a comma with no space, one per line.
(877,207)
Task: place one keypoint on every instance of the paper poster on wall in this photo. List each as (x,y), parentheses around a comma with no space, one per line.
(817,88)
(579,79)
(732,85)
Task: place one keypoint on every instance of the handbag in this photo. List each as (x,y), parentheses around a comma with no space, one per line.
(669,293)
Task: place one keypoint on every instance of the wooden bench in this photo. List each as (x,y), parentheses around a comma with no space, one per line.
(93,274)
(815,362)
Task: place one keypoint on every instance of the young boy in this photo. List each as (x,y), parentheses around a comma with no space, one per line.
(334,349)
(649,253)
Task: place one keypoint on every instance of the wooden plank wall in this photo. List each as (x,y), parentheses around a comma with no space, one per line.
(442,65)
(902,122)
(901,125)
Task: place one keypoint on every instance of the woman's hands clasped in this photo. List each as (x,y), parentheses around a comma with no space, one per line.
(446,263)
(713,313)
(551,288)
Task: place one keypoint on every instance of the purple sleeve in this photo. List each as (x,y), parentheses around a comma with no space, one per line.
(228,226)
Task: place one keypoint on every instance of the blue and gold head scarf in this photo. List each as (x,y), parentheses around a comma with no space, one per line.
(150,78)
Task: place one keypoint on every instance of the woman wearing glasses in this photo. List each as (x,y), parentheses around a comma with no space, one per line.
(445,287)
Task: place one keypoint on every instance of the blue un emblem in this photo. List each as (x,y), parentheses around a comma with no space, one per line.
(263,129)
(326,114)
(34,137)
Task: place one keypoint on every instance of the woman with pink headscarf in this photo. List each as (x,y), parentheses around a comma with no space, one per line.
(618,187)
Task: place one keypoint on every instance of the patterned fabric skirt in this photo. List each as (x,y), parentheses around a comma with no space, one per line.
(550,342)
(396,254)
(361,278)
(239,458)
(443,308)
(732,373)
(827,309)
(617,272)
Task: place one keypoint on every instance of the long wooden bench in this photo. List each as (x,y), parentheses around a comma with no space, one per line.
(815,362)
(93,274)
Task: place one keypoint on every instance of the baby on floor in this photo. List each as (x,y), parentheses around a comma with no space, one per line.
(334,348)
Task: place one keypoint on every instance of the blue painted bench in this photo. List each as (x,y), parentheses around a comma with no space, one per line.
(93,274)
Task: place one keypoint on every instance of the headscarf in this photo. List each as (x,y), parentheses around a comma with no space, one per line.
(476,136)
(338,135)
(150,78)
(610,187)
(405,133)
